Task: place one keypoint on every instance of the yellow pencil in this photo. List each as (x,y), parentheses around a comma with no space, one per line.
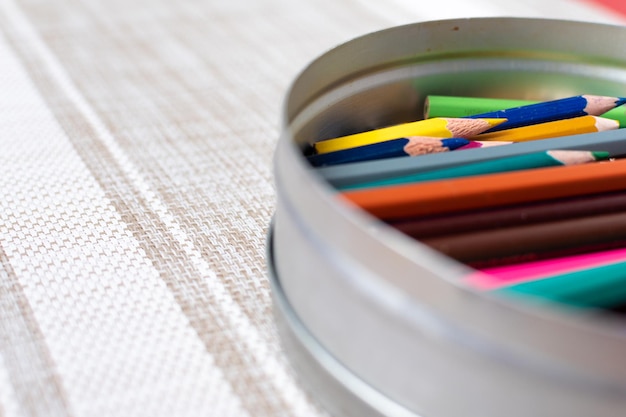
(442,127)
(565,127)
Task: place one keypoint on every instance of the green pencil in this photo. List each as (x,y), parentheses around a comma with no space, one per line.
(453,106)
(511,163)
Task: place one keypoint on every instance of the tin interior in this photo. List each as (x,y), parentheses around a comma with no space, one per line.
(390,309)
(394,95)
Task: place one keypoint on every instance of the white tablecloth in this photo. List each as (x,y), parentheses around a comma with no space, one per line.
(136,192)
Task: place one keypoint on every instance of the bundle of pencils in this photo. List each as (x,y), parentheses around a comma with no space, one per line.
(563,117)
(408,139)
(542,216)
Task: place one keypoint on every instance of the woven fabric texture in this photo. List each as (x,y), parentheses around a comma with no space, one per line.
(136,142)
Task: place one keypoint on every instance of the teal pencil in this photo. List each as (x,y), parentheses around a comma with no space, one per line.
(512,163)
(600,287)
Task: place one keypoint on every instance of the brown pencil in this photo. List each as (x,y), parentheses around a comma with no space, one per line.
(537,238)
(544,255)
(515,215)
(462,194)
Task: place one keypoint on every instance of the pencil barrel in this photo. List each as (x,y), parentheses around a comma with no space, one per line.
(515,215)
(532,239)
(454,106)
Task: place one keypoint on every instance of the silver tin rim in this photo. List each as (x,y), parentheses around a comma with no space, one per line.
(338,389)
(339,268)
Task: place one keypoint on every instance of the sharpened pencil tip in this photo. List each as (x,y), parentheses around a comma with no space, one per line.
(575,157)
(601,155)
(496,121)
(603,124)
(454,143)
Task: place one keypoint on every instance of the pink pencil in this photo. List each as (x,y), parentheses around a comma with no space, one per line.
(483,144)
(496,277)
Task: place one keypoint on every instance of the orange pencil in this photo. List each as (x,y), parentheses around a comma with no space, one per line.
(457,195)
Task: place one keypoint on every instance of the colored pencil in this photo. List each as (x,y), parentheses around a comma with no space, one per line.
(541,237)
(451,106)
(482,144)
(411,146)
(599,287)
(499,277)
(566,127)
(544,255)
(438,127)
(461,194)
(463,106)
(613,141)
(512,163)
(549,111)
(515,215)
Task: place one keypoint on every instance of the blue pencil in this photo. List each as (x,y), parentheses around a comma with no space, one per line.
(549,111)
(411,146)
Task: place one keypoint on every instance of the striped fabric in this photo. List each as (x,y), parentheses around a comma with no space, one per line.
(136,140)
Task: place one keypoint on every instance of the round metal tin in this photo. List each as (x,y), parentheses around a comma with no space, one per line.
(379,324)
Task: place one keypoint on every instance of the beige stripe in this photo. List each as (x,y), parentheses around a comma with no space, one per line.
(100,303)
(216,127)
(190,285)
(30,367)
(224,215)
